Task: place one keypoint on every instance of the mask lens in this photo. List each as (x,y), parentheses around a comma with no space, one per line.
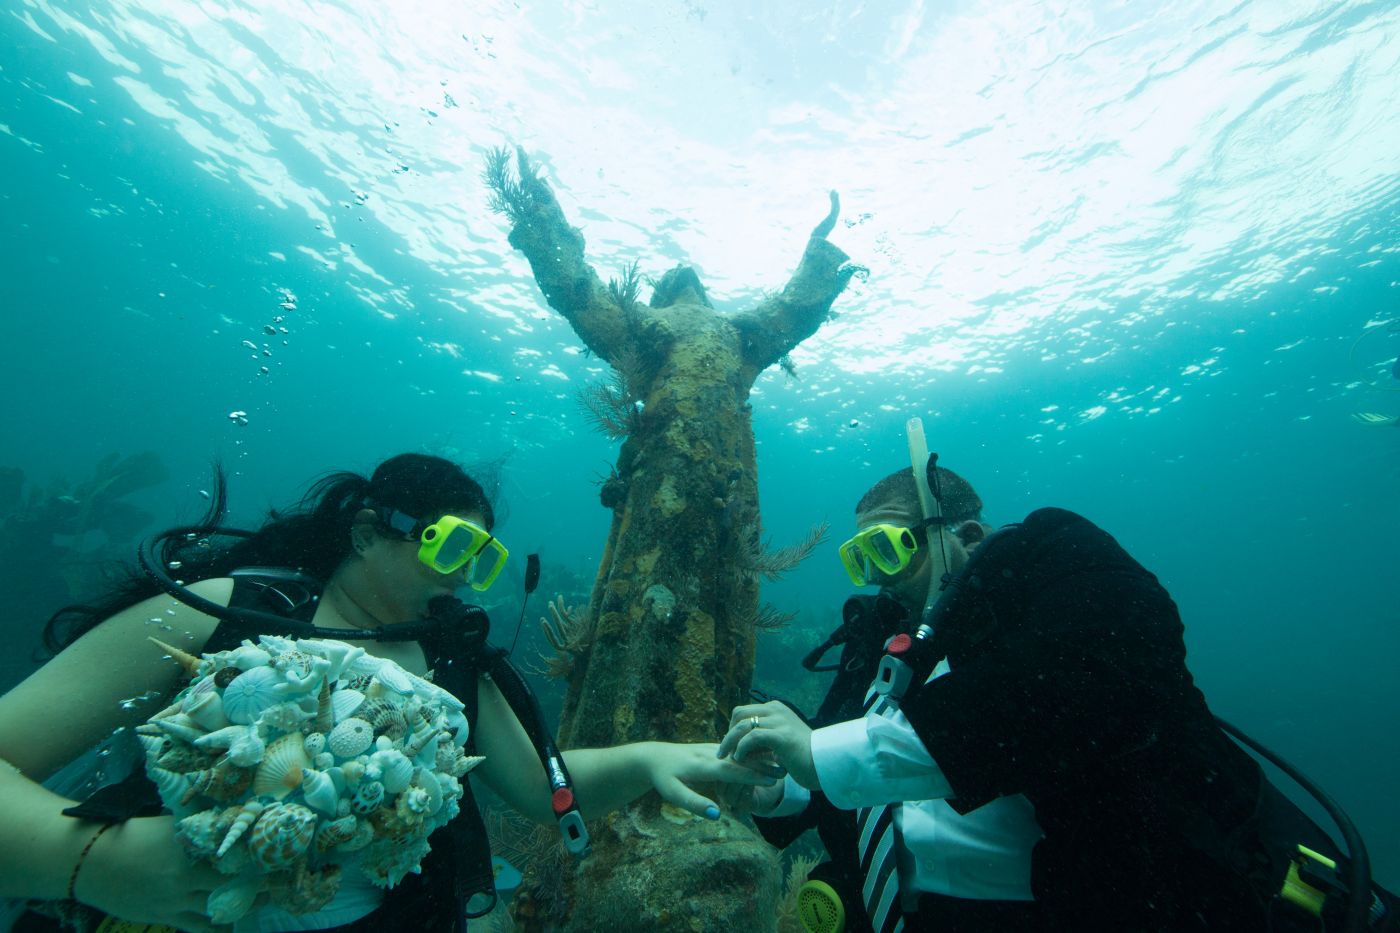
(883,552)
(482,570)
(456,549)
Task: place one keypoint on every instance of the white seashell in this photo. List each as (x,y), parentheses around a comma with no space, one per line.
(231,900)
(203,704)
(364,835)
(172,786)
(350,737)
(248,749)
(315,743)
(248,656)
(426,782)
(394,679)
(220,738)
(284,717)
(471,761)
(395,770)
(252,693)
(281,769)
(323,760)
(247,815)
(181,727)
(319,791)
(353,771)
(342,809)
(325,714)
(345,702)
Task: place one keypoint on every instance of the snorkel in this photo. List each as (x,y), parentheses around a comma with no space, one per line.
(925,467)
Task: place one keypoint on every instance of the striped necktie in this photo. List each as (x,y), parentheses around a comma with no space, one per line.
(879,843)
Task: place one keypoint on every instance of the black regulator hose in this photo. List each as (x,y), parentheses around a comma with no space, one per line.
(1358,861)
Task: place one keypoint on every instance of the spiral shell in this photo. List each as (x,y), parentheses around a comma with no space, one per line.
(385,717)
(325,714)
(350,737)
(320,791)
(395,770)
(336,832)
(204,705)
(246,816)
(281,834)
(251,694)
(281,769)
(368,796)
(180,726)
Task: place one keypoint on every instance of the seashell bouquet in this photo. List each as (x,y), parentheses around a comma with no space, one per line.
(291,761)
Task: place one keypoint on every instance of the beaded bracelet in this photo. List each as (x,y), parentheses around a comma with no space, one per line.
(82,857)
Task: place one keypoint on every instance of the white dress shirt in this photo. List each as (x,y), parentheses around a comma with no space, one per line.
(982,855)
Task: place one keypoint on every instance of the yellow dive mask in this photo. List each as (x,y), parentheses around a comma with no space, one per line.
(885,549)
(451,544)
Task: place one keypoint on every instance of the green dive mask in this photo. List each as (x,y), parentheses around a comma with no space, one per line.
(451,544)
(882,548)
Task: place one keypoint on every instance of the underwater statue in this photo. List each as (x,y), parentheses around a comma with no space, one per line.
(666,648)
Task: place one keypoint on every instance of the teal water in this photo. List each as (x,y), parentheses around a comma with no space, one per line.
(1136,260)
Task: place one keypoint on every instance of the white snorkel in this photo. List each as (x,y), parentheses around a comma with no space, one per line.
(931,507)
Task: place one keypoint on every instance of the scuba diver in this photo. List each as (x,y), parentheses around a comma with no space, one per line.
(973,870)
(1049,665)
(375,560)
(1371,418)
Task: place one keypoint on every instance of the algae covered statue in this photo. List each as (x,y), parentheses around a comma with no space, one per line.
(667,646)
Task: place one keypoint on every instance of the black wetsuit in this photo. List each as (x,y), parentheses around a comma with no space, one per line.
(869,622)
(1068,684)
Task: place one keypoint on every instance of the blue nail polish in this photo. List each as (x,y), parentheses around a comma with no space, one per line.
(712,812)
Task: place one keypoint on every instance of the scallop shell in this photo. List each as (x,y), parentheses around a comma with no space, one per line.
(319,791)
(281,835)
(393,679)
(344,703)
(350,737)
(253,693)
(281,769)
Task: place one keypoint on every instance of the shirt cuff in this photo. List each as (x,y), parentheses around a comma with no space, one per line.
(794,800)
(840,753)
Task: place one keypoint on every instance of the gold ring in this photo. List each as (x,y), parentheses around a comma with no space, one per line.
(753,723)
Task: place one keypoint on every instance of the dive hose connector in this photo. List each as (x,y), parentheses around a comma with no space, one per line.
(908,660)
(566,812)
